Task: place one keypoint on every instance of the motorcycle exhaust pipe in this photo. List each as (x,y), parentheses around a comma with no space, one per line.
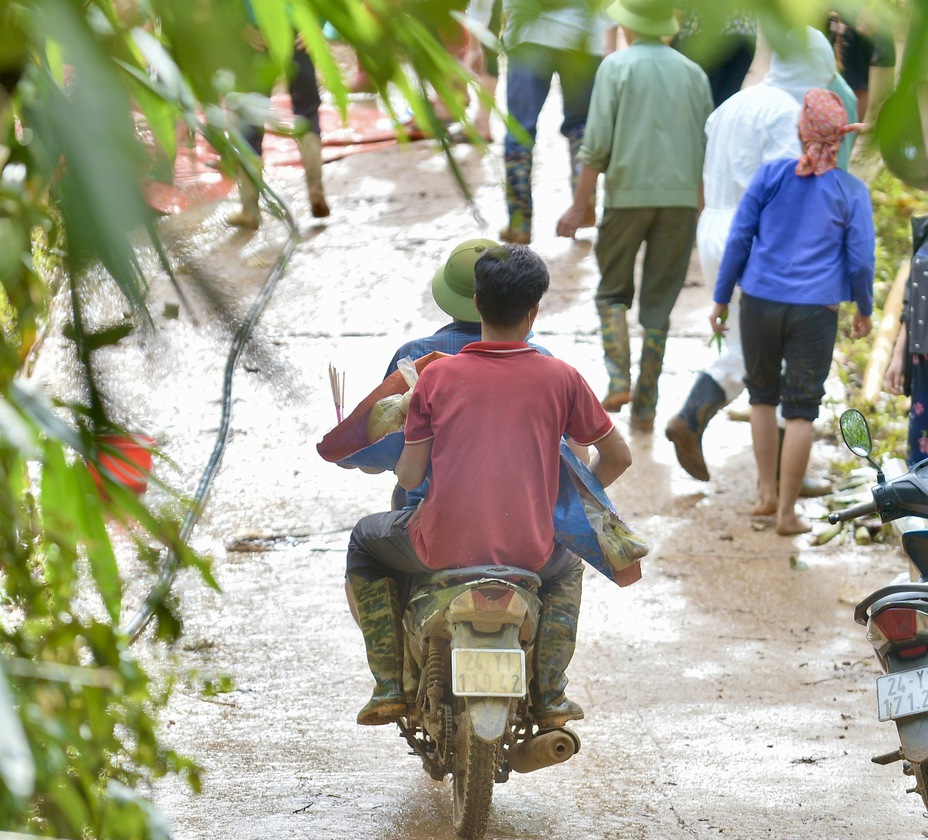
(543,750)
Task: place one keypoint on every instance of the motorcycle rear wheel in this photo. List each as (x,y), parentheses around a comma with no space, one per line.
(472,776)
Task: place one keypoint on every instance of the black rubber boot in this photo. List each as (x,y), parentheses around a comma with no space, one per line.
(685,429)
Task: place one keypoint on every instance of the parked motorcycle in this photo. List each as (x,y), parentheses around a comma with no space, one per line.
(469,637)
(896,616)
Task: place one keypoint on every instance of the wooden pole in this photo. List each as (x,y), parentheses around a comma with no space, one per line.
(882,352)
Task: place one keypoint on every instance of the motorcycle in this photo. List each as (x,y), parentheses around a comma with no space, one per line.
(896,616)
(469,635)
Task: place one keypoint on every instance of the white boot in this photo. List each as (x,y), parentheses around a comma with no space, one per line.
(250,214)
(311,152)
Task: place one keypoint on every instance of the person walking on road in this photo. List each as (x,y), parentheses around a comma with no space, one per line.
(646,132)
(801,242)
(566,39)
(305,101)
(756,125)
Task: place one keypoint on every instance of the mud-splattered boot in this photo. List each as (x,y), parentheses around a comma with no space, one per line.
(518,198)
(575,140)
(554,648)
(686,428)
(616,353)
(380,618)
(644,403)
(250,215)
(311,153)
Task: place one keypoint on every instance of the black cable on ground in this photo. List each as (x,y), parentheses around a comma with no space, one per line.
(162,586)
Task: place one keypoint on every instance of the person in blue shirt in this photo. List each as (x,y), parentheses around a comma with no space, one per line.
(801,242)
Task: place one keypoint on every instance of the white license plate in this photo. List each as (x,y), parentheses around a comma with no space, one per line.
(485,672)
(901,694)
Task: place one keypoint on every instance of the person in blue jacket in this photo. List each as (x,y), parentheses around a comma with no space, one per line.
(801,242)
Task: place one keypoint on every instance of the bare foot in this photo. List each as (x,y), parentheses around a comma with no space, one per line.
(762,508)
(788,526)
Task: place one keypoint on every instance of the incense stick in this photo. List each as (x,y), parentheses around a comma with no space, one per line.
(337,381)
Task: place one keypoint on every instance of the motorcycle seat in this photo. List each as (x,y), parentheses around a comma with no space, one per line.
(513,574)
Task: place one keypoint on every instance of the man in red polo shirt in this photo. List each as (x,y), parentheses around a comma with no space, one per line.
(486,426)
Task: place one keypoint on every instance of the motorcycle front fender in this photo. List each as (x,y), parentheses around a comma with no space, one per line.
(489,716)
(913,737)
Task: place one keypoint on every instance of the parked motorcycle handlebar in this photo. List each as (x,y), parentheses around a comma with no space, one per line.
(853,512)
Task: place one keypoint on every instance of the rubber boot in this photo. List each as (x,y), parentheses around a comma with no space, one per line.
(685,429)
(554,648)
(250,214)
(616,353)
(311,152)
(575,140)
(518,198)
(644,402)
(379,615)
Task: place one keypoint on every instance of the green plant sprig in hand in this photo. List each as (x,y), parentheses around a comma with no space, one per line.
(718,337)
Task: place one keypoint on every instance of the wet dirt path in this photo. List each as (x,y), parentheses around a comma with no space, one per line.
(727,693)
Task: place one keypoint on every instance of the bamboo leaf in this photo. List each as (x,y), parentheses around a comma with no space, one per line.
(274,23)
(100,553)
(17,766)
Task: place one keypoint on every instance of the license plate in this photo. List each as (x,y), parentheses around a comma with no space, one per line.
(902,694)
(485,672)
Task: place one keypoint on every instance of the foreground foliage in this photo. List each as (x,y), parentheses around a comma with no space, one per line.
(78,713)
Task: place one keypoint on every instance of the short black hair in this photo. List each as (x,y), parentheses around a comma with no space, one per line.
(508,281)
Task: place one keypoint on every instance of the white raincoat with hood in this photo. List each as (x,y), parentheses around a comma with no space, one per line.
(756,125)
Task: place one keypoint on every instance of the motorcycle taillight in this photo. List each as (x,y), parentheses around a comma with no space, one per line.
(897,624)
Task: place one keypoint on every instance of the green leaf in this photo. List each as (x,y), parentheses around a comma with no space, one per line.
(103,564)
(17,766)
(275,26)
(160,115)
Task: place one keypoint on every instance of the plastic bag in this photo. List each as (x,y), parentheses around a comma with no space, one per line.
(388,414)
(621,545)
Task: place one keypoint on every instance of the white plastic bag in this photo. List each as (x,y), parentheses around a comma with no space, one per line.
(388,414)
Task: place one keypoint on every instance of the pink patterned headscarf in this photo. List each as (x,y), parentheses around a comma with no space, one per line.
(822,126)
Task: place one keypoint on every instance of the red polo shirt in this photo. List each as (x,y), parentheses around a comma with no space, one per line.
(495,413)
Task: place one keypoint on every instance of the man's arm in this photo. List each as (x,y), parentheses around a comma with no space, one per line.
(413,464)
(612,458)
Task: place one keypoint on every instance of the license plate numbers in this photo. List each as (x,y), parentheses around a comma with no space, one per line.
(484,672)
(901,694)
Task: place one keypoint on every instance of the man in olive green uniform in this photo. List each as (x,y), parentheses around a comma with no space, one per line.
(645,133)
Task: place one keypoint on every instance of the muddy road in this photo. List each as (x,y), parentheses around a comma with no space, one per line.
(727,694)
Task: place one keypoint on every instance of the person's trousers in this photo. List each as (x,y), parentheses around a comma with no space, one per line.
(304,97)
(529,71)
(380,546)
(668,234)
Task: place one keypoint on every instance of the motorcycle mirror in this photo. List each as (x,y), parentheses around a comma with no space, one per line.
(856,433)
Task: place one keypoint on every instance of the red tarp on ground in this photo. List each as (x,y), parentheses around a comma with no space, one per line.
(198,180)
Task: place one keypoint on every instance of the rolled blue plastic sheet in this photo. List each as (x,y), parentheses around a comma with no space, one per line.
(381,455)
(572,527)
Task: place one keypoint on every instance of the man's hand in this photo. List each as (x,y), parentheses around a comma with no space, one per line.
(895,373)
(254,38)
(862,325)
(717,318)
(569,223)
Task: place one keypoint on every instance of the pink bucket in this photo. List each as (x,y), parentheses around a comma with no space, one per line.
(130,463)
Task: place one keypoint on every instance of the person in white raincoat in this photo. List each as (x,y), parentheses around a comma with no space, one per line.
(756,125)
